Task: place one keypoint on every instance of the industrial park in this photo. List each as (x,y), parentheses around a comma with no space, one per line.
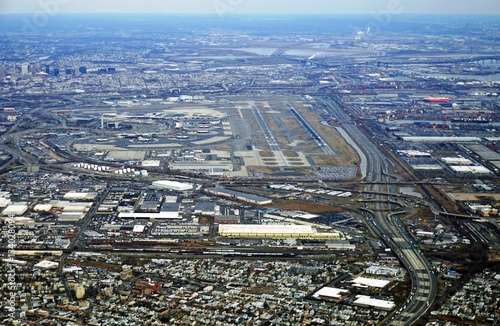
(253,174)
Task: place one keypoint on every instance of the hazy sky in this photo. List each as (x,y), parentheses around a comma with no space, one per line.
(252,6)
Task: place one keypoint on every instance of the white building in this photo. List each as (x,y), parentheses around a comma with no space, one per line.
(47,264)
(479,169)
(15,209)
(366,301)
(172,185)
(151,216)
(273,231)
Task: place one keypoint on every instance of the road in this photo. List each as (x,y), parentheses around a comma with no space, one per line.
(381,182)
(84,223)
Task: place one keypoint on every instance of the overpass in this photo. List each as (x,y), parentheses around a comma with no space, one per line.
(388,227)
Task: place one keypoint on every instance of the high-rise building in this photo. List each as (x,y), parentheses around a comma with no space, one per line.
(80,291)
(47,69)
(82,70)
(56,72)
(25,69)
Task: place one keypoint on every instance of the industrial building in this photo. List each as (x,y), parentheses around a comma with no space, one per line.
(15,209)
(459,160)
(484,152)
(369,302)
(413,153)
(42,208)
(151,216)
(46,264)
(442,139)
(274,231)
(70,217)
(476,169)
(168,210)
(172,185)
(363,282)
(205,208)
(208,167)
(150,202)
(241,196)
(383,270)
(70,211)
(80,195)
(331,294)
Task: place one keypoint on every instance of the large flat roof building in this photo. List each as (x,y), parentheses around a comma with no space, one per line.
(72,195)
(479,169)
(366,301)
(205,208)
(442,139)
(369,282)
(273,231)
(151,216)
(172,185)
(15,209)
(331,294)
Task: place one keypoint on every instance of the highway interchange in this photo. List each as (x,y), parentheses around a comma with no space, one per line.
(379,180)
(380,183)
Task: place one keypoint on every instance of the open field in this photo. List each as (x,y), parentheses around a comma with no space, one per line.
(305,206)
(265,154)
(324,160)
(346,155)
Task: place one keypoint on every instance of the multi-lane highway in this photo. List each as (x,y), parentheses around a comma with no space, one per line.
(387,226)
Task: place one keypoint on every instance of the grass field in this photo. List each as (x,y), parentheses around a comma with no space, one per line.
(346,155)
(266,154)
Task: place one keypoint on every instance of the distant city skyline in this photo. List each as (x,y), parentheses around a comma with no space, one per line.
(252,6)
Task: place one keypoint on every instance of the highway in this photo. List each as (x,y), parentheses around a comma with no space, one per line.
(388,227)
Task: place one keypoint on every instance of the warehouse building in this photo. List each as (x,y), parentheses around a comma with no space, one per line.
(205,208)
(458,160)
(80,195)
(363,282)
(170,208)
(168,211)
(369,302)
(42,208)
(150,216)
(331,294)
(150,202)
(465,169)
(15,209)
(274,231)
(71,217)
(172,185)
(442,139)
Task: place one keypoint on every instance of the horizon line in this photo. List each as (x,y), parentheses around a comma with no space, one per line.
(249,13)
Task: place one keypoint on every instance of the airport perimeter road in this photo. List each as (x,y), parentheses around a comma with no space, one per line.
(388,227)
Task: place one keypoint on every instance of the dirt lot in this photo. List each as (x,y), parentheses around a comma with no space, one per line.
(305,206)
